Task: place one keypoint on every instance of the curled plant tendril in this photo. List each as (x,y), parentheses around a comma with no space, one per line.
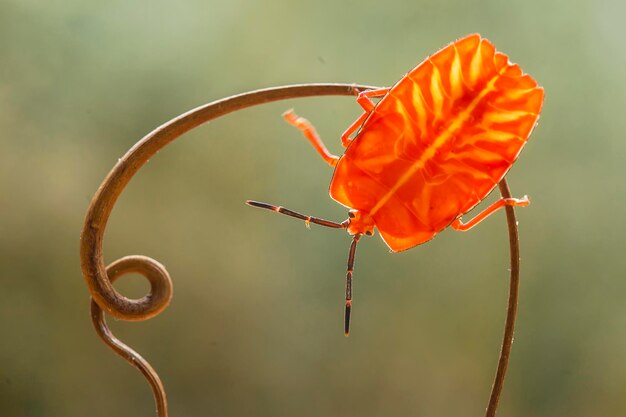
(99,278)
(105,298)
(152,270)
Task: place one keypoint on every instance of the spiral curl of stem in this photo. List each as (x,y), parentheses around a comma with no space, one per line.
(99,277)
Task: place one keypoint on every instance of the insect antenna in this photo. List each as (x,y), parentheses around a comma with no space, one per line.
(348,310)
(307,219)
(327,223)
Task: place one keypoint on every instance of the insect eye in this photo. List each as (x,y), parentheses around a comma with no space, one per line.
(369,233)
(351,215)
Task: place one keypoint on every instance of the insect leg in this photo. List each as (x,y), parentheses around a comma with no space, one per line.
(348,309)
(307,219)
(520,202)
(364,99)
(309,132)
(345,137)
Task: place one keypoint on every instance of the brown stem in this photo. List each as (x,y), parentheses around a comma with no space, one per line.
(511,313)
(99,278)
(114,271)
(92,260)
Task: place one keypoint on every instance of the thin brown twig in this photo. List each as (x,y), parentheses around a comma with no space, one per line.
(92,260)
(99,278)
(511,313)
(118,268)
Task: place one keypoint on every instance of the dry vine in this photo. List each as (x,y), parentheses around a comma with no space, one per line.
(99,278)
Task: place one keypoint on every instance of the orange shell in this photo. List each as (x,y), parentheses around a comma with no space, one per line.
(438,142)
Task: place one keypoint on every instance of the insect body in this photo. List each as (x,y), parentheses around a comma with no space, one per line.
(432,148)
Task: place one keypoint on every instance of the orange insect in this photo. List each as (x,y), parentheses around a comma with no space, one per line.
(434,146)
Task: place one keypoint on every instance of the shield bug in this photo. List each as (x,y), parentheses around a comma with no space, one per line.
(432,148)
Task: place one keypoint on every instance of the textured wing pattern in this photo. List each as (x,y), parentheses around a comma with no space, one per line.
(439,141)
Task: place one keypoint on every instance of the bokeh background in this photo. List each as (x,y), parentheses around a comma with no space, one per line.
(255,326)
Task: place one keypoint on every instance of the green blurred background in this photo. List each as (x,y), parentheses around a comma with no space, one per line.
(255,326)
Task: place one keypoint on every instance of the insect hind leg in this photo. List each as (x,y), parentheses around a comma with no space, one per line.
(365,101)
(365,97)
(520,202)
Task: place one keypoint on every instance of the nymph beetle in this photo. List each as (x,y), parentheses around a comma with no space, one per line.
(431,149)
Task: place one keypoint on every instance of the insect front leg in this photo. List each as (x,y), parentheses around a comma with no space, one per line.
(519,202)
(310,133)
